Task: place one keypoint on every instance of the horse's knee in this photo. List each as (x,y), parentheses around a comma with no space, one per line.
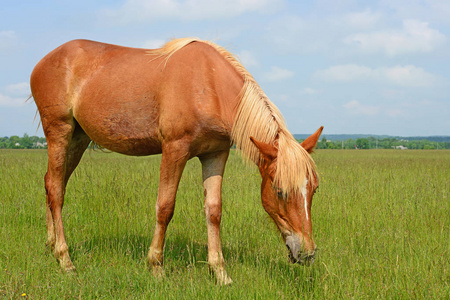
(164,212)
(54,191)
(213,211)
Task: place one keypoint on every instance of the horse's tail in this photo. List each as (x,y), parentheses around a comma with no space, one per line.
(30,97)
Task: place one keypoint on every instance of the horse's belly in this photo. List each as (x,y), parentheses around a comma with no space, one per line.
(123,130)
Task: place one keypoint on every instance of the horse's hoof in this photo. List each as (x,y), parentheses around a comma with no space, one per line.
(67,265)
(158,272)
(222,277)
(50,245)
(224,281)
(70,268)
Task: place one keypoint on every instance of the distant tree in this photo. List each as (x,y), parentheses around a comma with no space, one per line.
(362,143)
(26,142)
(349,144)
(14,142)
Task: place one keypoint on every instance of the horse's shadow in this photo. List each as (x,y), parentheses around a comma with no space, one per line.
(136,247)
(181,250)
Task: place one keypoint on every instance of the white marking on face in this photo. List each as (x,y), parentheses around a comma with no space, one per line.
(305,198)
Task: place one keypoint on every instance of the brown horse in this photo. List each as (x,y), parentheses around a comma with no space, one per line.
(190,98)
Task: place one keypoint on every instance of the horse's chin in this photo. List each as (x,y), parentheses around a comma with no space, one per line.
(303,260)
(296,252)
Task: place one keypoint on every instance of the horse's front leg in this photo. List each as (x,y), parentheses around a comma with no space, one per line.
(173,161)
(213,167)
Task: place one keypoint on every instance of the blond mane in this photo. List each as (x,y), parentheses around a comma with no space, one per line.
(258,117)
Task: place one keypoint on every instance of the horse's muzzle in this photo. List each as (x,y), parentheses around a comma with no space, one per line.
(296,252)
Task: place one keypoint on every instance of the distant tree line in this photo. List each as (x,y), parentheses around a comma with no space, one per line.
(384,143)
(25,142)
(35,142)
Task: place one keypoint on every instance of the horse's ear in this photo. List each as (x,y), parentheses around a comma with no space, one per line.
(268,151)
(310,143)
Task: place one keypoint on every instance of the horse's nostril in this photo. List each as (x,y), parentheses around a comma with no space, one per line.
(308,259)
(291,257)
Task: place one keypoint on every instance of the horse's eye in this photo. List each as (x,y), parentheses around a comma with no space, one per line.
(279,192)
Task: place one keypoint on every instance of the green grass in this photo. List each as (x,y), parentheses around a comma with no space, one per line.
(381,221)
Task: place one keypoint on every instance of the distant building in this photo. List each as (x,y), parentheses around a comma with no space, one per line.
(40,145)
(400,147)
(17,144)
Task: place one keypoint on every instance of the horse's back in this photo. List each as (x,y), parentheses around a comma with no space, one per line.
(130,102)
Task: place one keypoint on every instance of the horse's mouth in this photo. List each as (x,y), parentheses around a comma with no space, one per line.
(303,259)
(296,254)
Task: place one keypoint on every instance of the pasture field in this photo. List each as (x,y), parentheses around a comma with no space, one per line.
(381,220)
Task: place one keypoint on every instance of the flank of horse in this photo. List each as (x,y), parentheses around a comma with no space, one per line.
(191,98)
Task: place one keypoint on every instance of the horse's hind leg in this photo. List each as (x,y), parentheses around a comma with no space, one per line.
(213,167)
(66,143)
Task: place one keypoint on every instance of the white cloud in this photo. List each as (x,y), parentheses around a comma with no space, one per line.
(16,94)
(362,19)
(393,93)
(248,59)
(283,98)
(394,113)
(354,107)
(277,74)
(7,39)
(408,111)
(20,89)
(7,34)
(406,76)
(293,34)
(308,91)
(11,101)
(414,37)
(151,10)
(153,44)
(436,10)
(318,32)
(410,76)
(344,73)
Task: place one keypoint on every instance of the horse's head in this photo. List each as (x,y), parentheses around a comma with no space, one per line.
(291,212)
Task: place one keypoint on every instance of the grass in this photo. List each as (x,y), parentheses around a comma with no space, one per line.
(381,221)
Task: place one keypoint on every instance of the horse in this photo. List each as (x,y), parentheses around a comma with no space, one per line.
(190,98)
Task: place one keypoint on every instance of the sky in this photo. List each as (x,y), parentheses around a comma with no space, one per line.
(355,67)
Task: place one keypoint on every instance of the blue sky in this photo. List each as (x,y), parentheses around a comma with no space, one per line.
(375,67)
